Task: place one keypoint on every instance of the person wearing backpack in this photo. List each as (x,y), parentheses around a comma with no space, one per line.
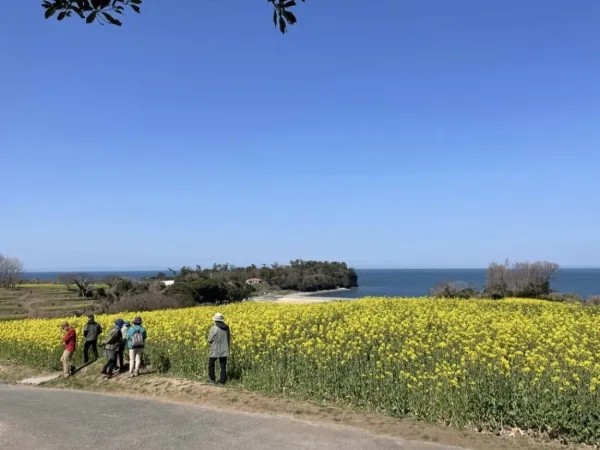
(111,343)
(136,340)
(219,339)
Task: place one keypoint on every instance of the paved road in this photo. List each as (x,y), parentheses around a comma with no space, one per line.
(44,419)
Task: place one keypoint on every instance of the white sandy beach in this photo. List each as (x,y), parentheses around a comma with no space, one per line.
(301,297)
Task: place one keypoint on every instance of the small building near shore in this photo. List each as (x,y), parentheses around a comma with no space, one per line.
(168,283)
(253,281)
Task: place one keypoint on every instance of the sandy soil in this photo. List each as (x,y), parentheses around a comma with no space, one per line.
(11,373)
(293,298)
(300,297)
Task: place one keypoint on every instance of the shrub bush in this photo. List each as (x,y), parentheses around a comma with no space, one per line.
(593,300)
(147,301)
(454,289)
(121,286)
(238,291)
(558,297)
(181,291)
(209,291)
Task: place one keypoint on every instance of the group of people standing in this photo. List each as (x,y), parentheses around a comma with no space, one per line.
(133,337)
(119,337)
(124,334)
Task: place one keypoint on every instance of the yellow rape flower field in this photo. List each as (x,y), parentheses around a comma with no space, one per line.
(520,363)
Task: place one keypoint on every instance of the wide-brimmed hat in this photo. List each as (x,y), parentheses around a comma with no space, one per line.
(137,321)
(65,325)
(218,317)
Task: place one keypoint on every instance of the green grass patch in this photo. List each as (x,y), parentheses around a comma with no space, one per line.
(62,300)
(55,286)
(55,293)
(42,286)
(12,316)
(7,309)
(67,307)
(11,302)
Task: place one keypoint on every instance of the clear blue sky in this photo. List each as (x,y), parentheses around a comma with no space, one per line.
(396,134)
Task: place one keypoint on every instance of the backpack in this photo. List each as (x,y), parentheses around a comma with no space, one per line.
(137,339)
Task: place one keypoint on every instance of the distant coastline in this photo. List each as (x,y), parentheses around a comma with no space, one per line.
(399,282)
(53,275)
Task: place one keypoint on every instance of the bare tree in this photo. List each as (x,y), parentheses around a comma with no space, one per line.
(497,279)
(522,280)
(83,283)
(533,279)
(68,279)
(3,270)
(11,271)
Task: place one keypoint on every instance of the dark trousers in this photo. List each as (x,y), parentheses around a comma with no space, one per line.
(211,369)
(120,355)
(86,350)
(111,365)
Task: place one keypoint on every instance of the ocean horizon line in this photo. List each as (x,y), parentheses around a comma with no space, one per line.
(128,269)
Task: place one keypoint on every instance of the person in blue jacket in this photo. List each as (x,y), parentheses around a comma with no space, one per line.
(136,340)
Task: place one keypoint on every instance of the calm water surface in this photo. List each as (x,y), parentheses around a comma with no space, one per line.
(418,282)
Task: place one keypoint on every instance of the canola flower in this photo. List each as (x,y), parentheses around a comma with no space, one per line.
(524,363)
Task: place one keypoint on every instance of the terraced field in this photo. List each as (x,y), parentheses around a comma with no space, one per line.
(32,301)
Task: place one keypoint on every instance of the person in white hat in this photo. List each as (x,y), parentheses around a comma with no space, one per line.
(219,338)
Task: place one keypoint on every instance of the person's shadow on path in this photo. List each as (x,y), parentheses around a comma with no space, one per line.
(74,369)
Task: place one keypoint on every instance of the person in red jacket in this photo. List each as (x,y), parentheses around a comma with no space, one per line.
(70,341)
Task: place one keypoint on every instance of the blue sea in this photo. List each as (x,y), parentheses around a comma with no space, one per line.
(418,282)
(133,274)
(405,282)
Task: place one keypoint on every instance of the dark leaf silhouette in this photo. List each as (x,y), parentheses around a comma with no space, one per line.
(100,4)
(105,10)
(78,11)
(291,18)
(111,19)
(50,12)
(282,25)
